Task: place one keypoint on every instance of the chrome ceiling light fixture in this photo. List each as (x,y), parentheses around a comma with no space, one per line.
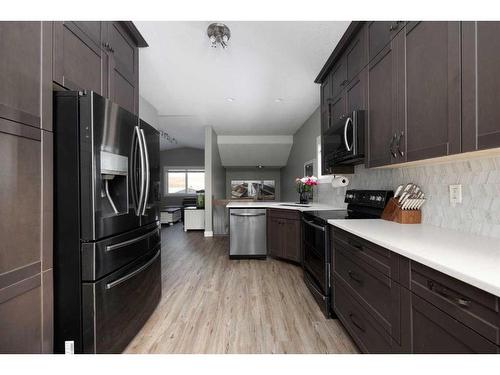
(164,135)
(219,34)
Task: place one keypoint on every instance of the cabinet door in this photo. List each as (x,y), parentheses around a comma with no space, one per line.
(337,108)
(432,55)
(382,107)
(379,35)
(355,93)
(20,72)
(356,55)
(122,58)
(339,77)
(20,233)
(274,237)
(434,331)
(77,58)
(291,240)
(326,90)
(481,85)
(93,29)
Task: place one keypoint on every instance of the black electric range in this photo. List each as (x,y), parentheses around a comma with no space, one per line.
(317,261)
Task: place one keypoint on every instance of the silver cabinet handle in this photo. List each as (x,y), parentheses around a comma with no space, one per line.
(146,158)
(349,120)
(399,144)
(314,225)
(391,145)
(133,273)
(248,215)
(131,241)
(142,172)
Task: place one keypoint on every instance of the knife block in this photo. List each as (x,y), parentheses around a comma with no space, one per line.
(393,212)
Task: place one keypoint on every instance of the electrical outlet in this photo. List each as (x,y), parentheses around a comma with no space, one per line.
(69,347)
(455,194)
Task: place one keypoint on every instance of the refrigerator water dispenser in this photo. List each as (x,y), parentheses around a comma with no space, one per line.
(114,183)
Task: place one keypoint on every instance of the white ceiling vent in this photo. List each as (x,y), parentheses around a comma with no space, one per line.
(251,151)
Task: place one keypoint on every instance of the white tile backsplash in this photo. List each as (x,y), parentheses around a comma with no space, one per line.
(479,212)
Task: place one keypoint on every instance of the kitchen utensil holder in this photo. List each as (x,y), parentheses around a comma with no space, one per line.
(393,212)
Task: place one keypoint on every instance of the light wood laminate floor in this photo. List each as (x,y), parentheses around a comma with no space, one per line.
(211,304)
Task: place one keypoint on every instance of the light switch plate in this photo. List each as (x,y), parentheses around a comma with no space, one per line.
(455,194)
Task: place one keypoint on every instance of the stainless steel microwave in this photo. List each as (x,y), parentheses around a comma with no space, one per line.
(344,142)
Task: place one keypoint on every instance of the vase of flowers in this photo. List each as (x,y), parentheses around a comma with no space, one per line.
(305,187)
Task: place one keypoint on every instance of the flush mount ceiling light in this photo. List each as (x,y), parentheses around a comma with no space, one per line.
(219,34)
(230,99)
(168,137)
(278,100)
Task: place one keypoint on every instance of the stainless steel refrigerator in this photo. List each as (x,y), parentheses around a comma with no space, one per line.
(107,240)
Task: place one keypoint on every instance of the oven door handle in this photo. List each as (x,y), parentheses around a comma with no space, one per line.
(349,120)
(314,225)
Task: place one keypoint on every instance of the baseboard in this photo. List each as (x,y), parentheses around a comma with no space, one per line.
(209,233)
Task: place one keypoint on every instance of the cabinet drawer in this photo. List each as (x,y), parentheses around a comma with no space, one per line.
(368,334)
(437,332)
(471,306)
(377,292)
(284,214)
(383,260)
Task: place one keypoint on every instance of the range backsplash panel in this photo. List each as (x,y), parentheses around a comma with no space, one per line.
(479,212)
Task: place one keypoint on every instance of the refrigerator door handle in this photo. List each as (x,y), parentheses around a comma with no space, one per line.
(142,174)
(148,176)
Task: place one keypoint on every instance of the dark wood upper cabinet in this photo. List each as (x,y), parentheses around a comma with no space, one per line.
(77,57)
(355,93)
(338,77)
(432,87)
(325,95)
(20,74)
(379,35)
(480,85)
(356,55)
(382,107)
(97,56)
(121,67)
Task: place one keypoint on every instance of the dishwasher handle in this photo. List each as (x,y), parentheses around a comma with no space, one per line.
(248,215)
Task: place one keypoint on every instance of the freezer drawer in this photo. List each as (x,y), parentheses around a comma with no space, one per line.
(247,230)
(103,257)
(116,307)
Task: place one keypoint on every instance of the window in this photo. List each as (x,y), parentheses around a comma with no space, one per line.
(183,180)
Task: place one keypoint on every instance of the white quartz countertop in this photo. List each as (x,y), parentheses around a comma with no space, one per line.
(282,205)
(470,258)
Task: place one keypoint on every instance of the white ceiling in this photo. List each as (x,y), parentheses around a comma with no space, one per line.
(250,151)
(189,82)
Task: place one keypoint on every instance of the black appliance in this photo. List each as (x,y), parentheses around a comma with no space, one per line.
(107,274)
(317,261)
(344,142)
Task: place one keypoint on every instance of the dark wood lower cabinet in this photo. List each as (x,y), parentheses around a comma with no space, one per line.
(284,235)
(412,308)
(434,331)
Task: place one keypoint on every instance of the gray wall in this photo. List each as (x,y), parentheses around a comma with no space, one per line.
(215,176)
(179,157)
(148,113)
(252,173)
(303,150)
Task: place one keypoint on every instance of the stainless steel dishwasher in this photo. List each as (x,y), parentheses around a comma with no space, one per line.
(247,233)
